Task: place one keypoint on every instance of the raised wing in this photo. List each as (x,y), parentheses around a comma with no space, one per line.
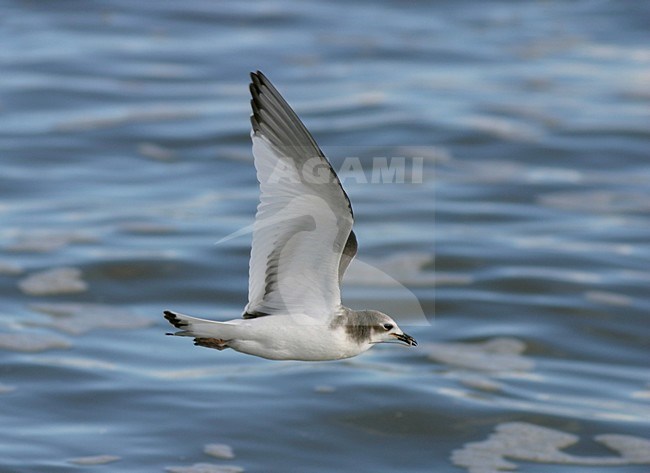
(302,236)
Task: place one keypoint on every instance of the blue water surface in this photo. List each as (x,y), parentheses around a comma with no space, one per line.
(521,231)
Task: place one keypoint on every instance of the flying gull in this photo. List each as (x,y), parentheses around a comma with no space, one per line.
(302,244)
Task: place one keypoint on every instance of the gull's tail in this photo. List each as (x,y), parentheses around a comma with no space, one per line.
(206,333)
(192,326)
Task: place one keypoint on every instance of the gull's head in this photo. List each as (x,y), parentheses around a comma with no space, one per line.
(383,329)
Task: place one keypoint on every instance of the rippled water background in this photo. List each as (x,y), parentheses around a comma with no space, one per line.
(124,156)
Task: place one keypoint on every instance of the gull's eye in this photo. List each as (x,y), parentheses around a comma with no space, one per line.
(388,326)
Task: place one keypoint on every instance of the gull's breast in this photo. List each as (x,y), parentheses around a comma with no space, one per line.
(294,338)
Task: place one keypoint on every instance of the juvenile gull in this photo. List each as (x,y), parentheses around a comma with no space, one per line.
(302,244)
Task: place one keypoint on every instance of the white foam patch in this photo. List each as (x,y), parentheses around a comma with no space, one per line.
(205,468)
(94,460)
(569,246)
(147,228)
(32,342)
(434,154)
(614,52)
(554,175)
(130,254)
(532,443)
(494,355)
(70,362)
(10,268)
(79,318)
(5,388)
(480,382)
(219,450)
(43,241)
(502,128)
(155,151)
(155,113)
(609,298)
(188,373)
(634,449)
(53,281)
(555,274)
(605,201)
(644,394)
(452,279)
(546,403)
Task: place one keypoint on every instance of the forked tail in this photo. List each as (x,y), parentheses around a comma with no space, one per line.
(188,326)
(206,333)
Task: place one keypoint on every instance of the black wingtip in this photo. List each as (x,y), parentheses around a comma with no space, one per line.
(173,319)
(257,78)
(273,117)
(254,88)
(258,75)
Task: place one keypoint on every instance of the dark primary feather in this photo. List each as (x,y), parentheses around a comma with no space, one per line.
(274,118)
(349,252)
(271,113)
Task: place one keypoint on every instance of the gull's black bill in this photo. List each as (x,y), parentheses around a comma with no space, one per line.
(407,339)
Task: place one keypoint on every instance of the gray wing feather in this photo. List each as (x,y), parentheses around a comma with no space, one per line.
(274,119)
(349,252)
